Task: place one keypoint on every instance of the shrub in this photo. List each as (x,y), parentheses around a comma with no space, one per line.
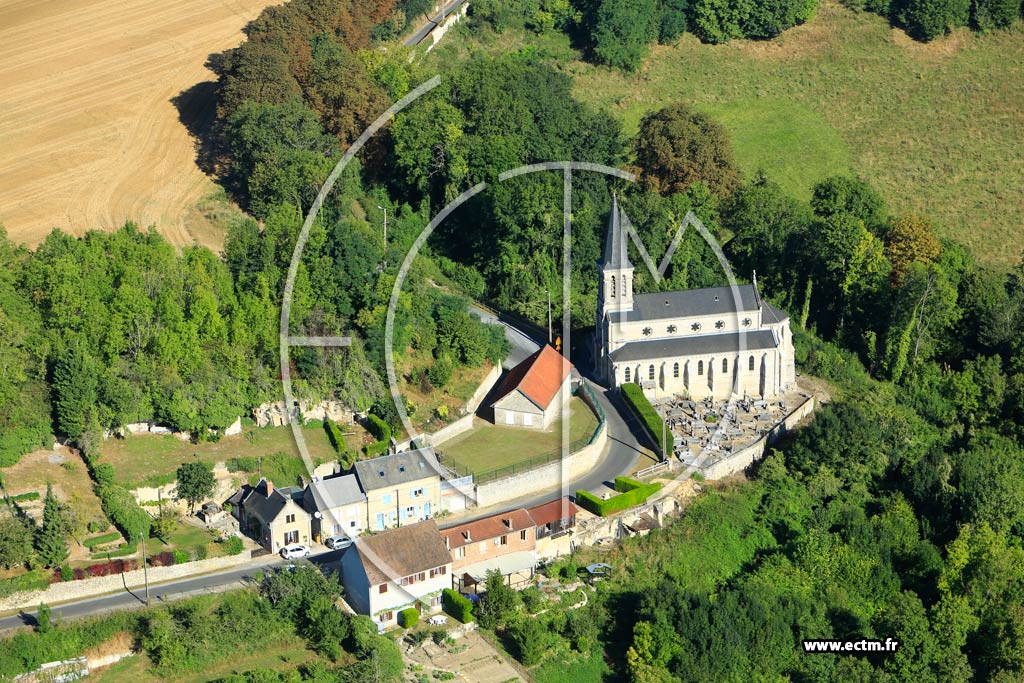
(409,617)
(376,448)
(199,552)
(457,605)
(24,497)
(378,427)
(95,526)
(36,579)
(244,464)
(233,545)
(91,543)
(43,618)
(120,508)
(164,559)
(635,398)
(533,599)
(335,436)
(180,557)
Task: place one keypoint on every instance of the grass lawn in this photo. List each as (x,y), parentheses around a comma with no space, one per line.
(150,459)
(286,654)
(934,127)
(488,446)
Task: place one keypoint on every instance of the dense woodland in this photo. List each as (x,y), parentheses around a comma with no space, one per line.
(898,512)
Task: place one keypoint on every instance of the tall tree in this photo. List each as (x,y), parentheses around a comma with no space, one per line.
(195,482)
(51,548)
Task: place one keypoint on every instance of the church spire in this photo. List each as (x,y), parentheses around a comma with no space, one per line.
(615,254)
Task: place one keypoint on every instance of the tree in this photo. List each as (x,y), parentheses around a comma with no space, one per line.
(676,147)
(15,541)
(621,31)
(43,624)
(51,548)
(164,524)
(499,602)
(840,194)
(929,19)
(75,387)
(987,15)
(911,239)
(195,482)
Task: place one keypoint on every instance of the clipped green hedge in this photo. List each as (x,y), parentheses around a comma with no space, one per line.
(457,605)
(634,396)
(23,497)
(334,436)
(91,543)
(408,617)
(632,493)
(378,427)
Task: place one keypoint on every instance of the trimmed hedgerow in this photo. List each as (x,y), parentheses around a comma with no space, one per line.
(91,543)
(632,493)
(634,396)
(409,617)
(457,605)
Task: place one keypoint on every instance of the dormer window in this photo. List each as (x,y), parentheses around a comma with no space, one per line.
(695,327)
(719,324)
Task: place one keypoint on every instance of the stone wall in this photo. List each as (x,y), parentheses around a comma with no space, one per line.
(549,476)
(464,423)
(438,33)
(745,457)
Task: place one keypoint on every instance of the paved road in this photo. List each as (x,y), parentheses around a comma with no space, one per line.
(417,37)
(135,597)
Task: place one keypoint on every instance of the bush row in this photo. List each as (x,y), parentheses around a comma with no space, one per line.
(36,579)
(24,497)
(118,504)
(91,543)
(457,605)
(378,427)
(634,396)
(632,493)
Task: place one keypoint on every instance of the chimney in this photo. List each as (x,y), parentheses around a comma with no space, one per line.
(269,487)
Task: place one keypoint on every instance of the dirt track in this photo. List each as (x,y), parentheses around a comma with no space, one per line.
(89,135)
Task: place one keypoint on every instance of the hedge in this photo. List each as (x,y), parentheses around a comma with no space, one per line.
(632,493)
(123,551)
(634,396)
(378,427)
(334,436)
(91,543)
(121,509)
(22,497)
(457,605)
(408,617)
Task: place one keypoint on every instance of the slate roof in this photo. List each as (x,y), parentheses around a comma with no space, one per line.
(488,528)
(395,553)
(689,302)
(400,468)
(539,377)
(265,507)
(333,492)
(773,314)
(695,345)
(553,511)
(616,252)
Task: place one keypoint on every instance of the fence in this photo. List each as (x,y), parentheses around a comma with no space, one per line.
(584,392)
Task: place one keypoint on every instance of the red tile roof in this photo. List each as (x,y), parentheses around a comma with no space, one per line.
(539,377)
(487,528)
(554,511)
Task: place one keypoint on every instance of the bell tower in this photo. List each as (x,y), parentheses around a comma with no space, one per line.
(615,290)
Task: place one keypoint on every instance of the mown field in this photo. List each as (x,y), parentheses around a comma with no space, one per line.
(935,127)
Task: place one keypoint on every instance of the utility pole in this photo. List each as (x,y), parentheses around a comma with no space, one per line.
(145,574)
(549,316)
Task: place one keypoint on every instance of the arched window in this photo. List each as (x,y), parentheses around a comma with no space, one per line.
(613,286)
(675,369)
(623,286)
(750,364)
(700,367)
(627,373)
(725,365)
(650,372)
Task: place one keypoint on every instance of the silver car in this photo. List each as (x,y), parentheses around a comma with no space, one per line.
(293,550)
(339,542)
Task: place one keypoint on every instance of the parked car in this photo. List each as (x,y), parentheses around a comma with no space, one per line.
(339,542)
(293,550)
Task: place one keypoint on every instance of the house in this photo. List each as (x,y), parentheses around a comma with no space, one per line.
(387,572)
(400,489)
(710,342)
(337,506)
(505,542)
(532,393)
(553,517)
(274,517)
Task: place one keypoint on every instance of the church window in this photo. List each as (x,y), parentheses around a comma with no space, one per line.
(650,372)
(719,324)
(725,365)
(746,322)
(648,331)
(750,364)
(628,373)
(700,367)
(672,329)
(675,369)
(623,286)
(613,286)
(695,327)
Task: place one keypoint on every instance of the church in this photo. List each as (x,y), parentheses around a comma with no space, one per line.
(713,342)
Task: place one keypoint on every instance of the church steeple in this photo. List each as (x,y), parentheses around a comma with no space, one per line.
(616,286)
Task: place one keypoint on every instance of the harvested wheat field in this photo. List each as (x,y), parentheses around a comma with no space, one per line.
(91,134)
